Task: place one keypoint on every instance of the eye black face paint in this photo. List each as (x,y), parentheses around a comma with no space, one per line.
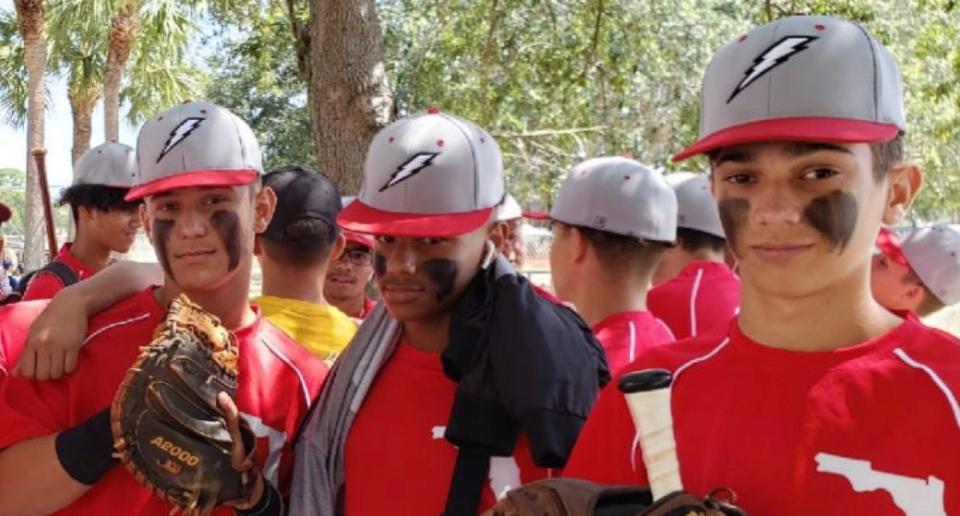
(161,234)
(443,275)
(733,215)
(227,225)
(379,265)
(835,216)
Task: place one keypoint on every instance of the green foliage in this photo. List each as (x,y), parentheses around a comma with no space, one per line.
(13,72)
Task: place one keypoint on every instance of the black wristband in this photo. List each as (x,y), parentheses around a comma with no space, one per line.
(86,451)
(270,504)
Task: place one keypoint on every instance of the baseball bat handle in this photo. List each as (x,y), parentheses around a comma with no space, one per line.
(647,394)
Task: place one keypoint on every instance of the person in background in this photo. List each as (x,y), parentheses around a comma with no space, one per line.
(920,273)
(348,276)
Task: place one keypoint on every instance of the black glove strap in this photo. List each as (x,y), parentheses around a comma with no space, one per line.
(469,479)
(270,504)
(86,451)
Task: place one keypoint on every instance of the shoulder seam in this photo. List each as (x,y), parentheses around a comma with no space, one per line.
(935,378)
(701,358)
(115,325)
(289,363)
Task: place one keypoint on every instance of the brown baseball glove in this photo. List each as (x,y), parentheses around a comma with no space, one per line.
(168,428)
(573,497)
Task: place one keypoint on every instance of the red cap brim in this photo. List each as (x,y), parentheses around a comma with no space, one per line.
(889,244)
(536,215)
(5,212)
(363,218)
(358,238)
(838,130)
(192,179)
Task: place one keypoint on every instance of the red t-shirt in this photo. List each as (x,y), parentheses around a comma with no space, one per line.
(277,381)
(397,461)
(880,419)
(626,334)
(368,305)
(15,321)
(45,285)
(703,297)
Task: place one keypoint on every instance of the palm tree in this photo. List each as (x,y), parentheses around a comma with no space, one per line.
(124,28)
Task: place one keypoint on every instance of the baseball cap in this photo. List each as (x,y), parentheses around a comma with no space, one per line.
(431,174)
(194,144)
(800,78)
(302,194)
(509,209)
(696,207)
(358,238)
(109,164)
(933,253)
(5,212)
(618,195)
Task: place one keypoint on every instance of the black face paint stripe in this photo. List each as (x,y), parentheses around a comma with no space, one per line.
(161,235)
(227,225)
(379,265)
(835,216)
(442,274)
(733,215)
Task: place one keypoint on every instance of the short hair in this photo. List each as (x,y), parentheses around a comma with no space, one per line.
(930,303)
(621,253)
(99,197)
(307,242)
(885,155)
(692,240)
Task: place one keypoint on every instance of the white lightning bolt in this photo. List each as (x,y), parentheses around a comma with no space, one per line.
(180,133)
(410,168)
(771,58)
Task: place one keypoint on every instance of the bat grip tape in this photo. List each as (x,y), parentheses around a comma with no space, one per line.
(85,451)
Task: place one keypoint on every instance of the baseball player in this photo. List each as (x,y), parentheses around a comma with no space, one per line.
(695,290)
(106,222)
(816,400)
(459,338)
(349,276)
(612,221)
(919,273)
(198,174)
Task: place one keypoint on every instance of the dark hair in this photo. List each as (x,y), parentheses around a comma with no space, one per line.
(885,155)
(306,242)
(99,197)
(623,254)
(692,240)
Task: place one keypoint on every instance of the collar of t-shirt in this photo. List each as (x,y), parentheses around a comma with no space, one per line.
(709,269)
(242,333)
(641,318)
(67,257)
(413,358)
(799,363)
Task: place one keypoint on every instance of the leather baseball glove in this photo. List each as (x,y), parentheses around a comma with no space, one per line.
(573,497)
(168,428)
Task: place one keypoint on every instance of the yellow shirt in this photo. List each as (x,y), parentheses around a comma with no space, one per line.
(323,329)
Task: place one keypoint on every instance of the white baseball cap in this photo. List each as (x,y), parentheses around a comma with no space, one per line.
(509,209)
(696,207)
(933,253)
(618,195)
(195,144)
(430,174)
(108,164)
(800,78)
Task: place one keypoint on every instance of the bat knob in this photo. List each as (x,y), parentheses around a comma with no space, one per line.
(645,380)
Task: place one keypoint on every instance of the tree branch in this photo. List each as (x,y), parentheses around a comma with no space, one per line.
(552,132)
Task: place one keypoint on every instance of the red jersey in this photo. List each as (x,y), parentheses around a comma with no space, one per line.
(867,429)
(368,305)
(45,285)
(624,335)
(397,461)
(277,381)
(15,321)
(703,297)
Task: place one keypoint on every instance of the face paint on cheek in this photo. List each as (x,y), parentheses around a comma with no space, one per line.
(227,225)
(161,234)
(733,215)
(835,216)
(443,275)
(379,265)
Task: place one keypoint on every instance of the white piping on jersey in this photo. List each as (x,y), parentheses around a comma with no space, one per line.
(275,440)
(666,329)
(283,358)
(693,302)
(633,340)
(114,325)
(951,399)
(703,358)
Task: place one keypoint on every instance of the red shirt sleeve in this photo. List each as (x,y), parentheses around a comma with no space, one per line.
(43,285)
(30,408)
(604,452)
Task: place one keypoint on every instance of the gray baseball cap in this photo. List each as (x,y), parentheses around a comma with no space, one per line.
(108,164)
(618,195)
(933,253)
(195,144)
(696,207)
(509,209)
(800,78)
(430,174)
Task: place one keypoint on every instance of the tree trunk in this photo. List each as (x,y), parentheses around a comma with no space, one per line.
(124,28)
(30,20)
(347,88)
(82,104)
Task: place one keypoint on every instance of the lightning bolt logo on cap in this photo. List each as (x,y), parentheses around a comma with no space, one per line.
(410,168)
(180,133)
(771,58)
